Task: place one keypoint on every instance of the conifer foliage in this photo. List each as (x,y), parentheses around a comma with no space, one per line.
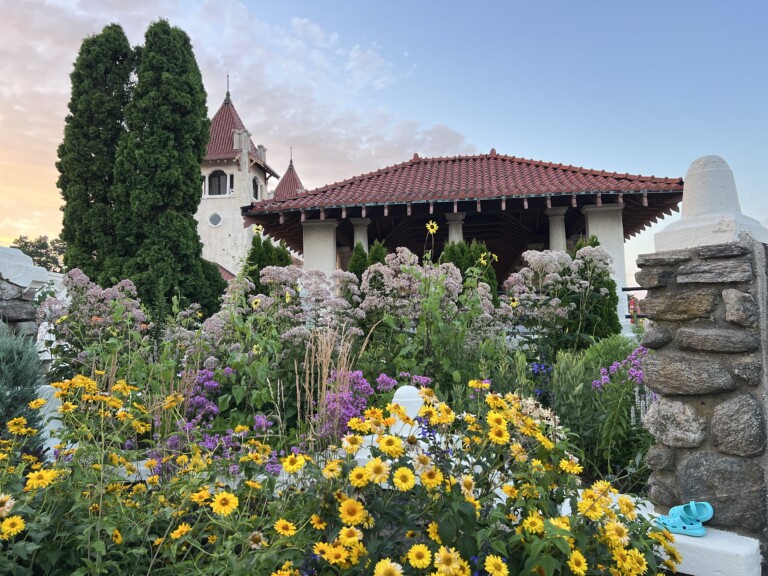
(150,184)
(101,90)
(264,253)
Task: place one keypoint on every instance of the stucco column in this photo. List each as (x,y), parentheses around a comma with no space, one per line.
(361,231)
(605,222)
(343,256)
(455,226)
(557,236)
(320,245)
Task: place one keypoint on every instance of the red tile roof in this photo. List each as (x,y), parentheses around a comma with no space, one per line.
(289,183)
(221,144)
(466,178)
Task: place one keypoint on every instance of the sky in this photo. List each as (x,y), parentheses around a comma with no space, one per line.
(354,86)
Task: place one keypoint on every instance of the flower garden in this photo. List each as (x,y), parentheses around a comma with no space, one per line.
(234,444)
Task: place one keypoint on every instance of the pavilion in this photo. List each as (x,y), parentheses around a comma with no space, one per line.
(512,204)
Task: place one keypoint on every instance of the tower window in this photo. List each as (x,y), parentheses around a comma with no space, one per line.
(217,184)
(256,188)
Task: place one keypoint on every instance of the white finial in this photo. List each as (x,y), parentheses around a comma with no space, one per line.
(711,213)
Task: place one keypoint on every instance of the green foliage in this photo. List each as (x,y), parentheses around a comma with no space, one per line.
(474,254)
(264,253)
(157,177)
(377,253)
(603,320)
(359,261)
(46,253)
(101,89)
(20,377)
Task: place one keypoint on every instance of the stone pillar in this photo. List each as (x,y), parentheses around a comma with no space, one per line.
(605,222)
(361,231)
(455,226)
(320,245)
(557,236)
(707,298)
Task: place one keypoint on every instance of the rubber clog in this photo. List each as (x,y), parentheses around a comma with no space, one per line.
(682,525)
(701,511)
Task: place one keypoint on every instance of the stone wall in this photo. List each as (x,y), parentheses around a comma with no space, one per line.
(708,311)
(20,280)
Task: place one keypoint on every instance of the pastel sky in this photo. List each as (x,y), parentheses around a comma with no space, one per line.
(353,86)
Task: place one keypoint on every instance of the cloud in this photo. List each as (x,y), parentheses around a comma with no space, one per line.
(295,84)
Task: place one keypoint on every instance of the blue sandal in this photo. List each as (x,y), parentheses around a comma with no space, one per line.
(701,511)
(682,525)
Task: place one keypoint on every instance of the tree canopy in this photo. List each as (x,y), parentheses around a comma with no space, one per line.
(44,252)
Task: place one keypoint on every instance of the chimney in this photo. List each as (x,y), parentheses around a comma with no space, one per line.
(262,153)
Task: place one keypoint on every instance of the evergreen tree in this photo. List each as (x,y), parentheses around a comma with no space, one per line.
(359,261)
(44,252)
(157,177)
(262,254)
(100,92)
(473,255)
(377,253)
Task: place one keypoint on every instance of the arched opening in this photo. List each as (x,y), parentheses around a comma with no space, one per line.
(217,183)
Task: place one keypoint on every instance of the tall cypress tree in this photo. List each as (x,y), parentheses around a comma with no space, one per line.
(100,92)
(157,176)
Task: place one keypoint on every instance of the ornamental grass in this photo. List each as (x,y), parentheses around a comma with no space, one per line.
(133,488)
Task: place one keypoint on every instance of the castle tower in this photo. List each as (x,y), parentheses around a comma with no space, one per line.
(290,184)
(234,173)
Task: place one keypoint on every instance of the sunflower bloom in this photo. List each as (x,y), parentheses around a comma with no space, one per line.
(359,477)
(404,479)
(386,567)
(282,526)
(419,556)
(447,561)
(352,512)
(432,227)
(495,566)
(12,526)
(577,563)
(317,522)
(40,479)
(224,503)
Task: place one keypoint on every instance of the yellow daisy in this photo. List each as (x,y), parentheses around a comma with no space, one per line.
(352,512)
(404,479)
(419,556)
(282,526)
(224,503)
(181,530)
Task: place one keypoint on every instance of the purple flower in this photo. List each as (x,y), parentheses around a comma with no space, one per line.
(385,383)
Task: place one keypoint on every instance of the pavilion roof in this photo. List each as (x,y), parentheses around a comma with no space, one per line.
(221,144)
(462,178)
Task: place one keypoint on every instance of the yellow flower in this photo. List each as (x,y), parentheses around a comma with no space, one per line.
(37,403)
(201,496)
(293,463)
(241,429)
(224,503)
(172,401)
(570,466)
(616,534)
(212,539)
(335,554)
(282,526)
(352,512)
(447,561)
(67,407)
(317,522)
(6,504)
(386,567)
(256,540)
(391,445)
(153,480)
(12,526)
(498,435)
(17,425)
(359,477)
(433,533)
(534,523)
(117,538)
(349,535)
(332,469)
(253,484)
(40,479)
(419,556)
(495,566)
(431,479)
(351,443)
(432,227)
(577,563)
(404,479)
(378,469)
(181,530)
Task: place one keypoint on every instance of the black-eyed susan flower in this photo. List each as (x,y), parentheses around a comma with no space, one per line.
(419,556)
(317,522)
(224,503)
(285,528)
(37,403)
(432,227)
(117,538)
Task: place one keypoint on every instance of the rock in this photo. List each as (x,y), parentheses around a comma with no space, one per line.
(26,328)
(656,337)
(668,258)
(17,310)
(660,458)
(675,424)
(722,340)
(673,374)
(734,487)
(748,373)
(729,250)
(9,290)
(715,272)
(738,427)
(653,278)
(740,307)
(683,306)
(663,489)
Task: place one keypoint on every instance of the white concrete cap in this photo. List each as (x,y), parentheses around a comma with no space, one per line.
(17,267)
(711,213)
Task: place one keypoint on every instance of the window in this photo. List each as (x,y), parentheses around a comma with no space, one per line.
(217,184)
(256,188)
(214,219)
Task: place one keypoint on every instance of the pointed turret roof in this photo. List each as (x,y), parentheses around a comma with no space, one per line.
(290,183)
(221,144)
